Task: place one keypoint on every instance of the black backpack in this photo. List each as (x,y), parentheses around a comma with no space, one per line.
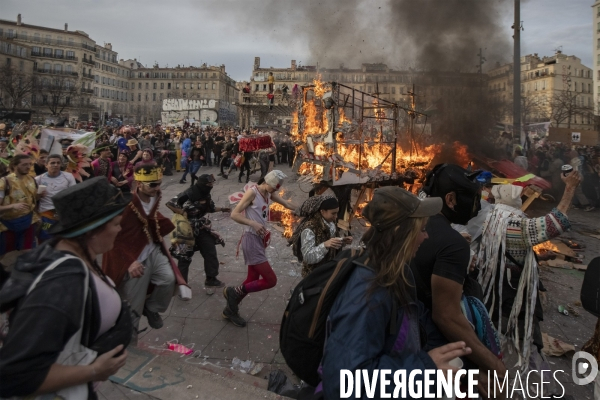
(302,333)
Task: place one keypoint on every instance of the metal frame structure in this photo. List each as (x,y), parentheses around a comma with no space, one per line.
(376,121)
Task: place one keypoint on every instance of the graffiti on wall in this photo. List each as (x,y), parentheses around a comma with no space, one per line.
(187,104)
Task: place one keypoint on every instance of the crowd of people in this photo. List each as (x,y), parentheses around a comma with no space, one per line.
(453,268)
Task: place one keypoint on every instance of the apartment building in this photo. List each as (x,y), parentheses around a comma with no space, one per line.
(62,59)
(84,80)
(596,53)
(556,89)
(207,94)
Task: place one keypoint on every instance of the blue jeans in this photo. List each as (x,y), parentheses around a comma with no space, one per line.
(192,168)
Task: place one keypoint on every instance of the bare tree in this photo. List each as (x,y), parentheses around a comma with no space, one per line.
(565,106)
(57,93)
(16,88)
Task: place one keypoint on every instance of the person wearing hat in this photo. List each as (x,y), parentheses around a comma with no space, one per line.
(441,268)
(134,151)
(195,203)
(140,257)
(102,166)
(253,211)
(380,289)
(49,185)
(18,202)
(69,328)
(314,241)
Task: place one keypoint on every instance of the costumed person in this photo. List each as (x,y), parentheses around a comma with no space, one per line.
(194,162)
(134,152)
(185,146)
(379,295)
(253,211)
(68,325)
(102,166)
(195,203)
(441,268)
(18,200)
(50,184)
(506,251)
(140,257)
(264,157)
(314,241)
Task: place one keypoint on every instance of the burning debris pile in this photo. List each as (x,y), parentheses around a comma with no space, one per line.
(345,136)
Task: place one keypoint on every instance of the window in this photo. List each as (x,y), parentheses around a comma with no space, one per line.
(24,35)
(162,85)
(177,86)
(206,86)
(147,96)
(168,86)
(71,43)
(139,97)
(185,85)
(58,53)
(214,86)
(139,85)
(70,55)
(153,96)
(393,90)
(199,86)
(47,67)
(36,37)
(35,51)
(154,85)
(48,39)
(147,85)
(57,68)
(161,96)
(48,52)
(257,86)
(59,40)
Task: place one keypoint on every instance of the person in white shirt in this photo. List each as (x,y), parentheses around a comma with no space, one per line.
(50,183)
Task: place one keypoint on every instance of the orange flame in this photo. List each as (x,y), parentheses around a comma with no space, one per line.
(287,218)
(544,247)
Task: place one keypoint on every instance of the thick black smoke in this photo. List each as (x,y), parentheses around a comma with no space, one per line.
(424,34)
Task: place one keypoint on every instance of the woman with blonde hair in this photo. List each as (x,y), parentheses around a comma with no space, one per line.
(380,293)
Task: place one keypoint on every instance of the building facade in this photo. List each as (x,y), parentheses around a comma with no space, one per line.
(62,63)
(196,89)
(596,58)
(82,80)
(556,89)
(431,88)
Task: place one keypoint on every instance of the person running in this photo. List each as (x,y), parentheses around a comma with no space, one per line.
(253,211)
(381,292)
(195,203)
(140,256)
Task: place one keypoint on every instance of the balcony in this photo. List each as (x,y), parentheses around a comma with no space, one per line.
(90,48)
(88,61)
(55,56)
(55,72)
(87,76)
(87,91)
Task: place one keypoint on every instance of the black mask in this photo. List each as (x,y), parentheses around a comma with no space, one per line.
(467,206)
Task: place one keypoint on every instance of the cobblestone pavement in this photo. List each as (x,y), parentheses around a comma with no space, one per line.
(232,362)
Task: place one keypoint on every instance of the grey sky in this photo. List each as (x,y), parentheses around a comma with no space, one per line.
(231,32)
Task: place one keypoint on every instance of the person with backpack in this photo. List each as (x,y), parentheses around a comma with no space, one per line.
(314,241)
(380,293)
(68,325)
(253,211)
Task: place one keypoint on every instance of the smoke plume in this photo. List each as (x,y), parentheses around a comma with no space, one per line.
(424,34)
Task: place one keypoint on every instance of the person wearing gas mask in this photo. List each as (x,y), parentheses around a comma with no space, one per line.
(195,203)
(441,268)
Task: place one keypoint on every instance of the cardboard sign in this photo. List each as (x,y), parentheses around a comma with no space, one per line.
(575,137)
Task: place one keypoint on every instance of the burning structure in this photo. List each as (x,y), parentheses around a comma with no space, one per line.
(351,142)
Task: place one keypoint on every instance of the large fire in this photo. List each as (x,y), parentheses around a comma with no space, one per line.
(285,217)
